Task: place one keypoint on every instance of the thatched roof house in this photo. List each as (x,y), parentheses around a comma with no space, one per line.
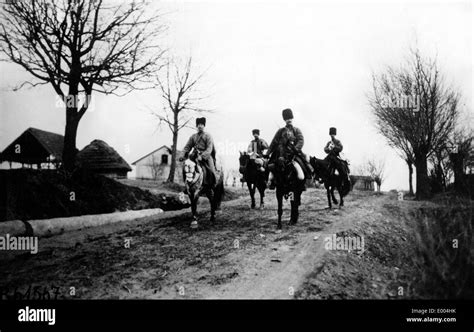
(101,158)
(35,147)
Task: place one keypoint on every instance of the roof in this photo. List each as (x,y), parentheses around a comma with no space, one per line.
(52,142)
(98,155)
(152,152)
(38,145)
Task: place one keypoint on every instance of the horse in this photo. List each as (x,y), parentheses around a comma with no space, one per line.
(321,172)
(288,185)
(255,178)
(194,183)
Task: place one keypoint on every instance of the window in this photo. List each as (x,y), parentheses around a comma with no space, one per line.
(164,159)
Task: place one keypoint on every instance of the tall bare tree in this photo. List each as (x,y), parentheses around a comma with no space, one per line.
(180,91)
(420,126)
(81,47)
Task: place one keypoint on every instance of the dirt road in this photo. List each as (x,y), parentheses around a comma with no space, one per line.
(240,256)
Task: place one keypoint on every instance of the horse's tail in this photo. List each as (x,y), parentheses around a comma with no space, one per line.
(346,186)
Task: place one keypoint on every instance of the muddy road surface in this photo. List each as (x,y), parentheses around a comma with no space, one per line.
(241,255)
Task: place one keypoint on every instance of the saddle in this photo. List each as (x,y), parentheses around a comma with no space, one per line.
(207,176)
(343,165)
(305,166)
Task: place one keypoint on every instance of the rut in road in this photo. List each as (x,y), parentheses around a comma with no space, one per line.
(277,272)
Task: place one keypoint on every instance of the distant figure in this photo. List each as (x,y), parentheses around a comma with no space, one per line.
(333,148)
(256,149)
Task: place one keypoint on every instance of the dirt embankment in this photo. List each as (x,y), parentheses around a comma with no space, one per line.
(412,250)
(38,194)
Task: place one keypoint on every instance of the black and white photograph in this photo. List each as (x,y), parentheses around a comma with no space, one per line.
(208,155)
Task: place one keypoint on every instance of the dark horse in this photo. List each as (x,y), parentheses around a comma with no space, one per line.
(196,186)
(288,185)
(331,182)
(255,179)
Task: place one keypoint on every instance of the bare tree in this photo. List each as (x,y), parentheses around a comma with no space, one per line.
(81,47)
(417,127)
(155,167)
(375,168)
(442,170)
(179,88)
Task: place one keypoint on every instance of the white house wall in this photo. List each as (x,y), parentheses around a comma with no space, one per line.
(144,170)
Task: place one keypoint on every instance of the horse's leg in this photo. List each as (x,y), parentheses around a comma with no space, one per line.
(194,200)
(329,196)
(194,207)
(292,213)
(297,202)
(341,198)
(252,194)
(261,190)
(279,195)
(334,200)
(210,195)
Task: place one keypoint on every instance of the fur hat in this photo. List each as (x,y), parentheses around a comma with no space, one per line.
(332,131)
(256,131)
(200,121)
(287,114)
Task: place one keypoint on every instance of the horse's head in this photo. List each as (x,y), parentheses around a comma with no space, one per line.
(244,159)
(319,167)
(190,170)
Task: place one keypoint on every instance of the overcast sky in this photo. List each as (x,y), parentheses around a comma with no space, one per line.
(315,58)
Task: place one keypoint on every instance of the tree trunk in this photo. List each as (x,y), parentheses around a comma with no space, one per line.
(422,179)
(174,148)
(410,177)
(457,160)
(69,150)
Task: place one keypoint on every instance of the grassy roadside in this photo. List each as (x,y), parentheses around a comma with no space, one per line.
(413,250)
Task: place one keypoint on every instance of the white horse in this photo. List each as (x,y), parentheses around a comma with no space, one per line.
(194,182)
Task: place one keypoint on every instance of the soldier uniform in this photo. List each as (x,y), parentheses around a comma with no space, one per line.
(333,148)
(202,143)
(256,148)
(289,141)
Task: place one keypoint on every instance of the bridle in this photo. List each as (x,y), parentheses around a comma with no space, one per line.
(191,172)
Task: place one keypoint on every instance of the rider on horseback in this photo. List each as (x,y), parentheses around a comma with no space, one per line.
(333,148)
(288,141)
(256,148)
(204,147)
